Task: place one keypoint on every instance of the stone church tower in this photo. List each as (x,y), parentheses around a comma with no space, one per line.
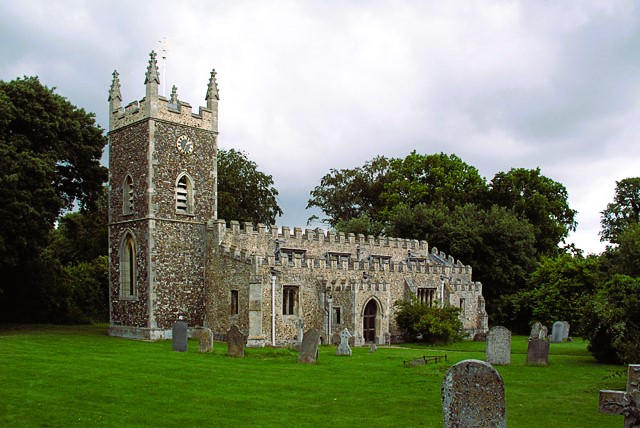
(162,163)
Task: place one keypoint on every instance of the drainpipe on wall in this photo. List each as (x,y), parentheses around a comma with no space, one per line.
(273,307)
(330,302)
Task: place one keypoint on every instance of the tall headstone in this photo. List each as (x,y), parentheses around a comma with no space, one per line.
(536,328)
(499,346)
(544,332)
(565,331)
(235,342)
(473,396)
(538,352)
(205,340)
(557,331)
(624,402)
(343,347)
(309,347)
(179,336)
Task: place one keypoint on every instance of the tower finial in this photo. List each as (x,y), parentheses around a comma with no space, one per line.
(212,89)
(152,70)
(174,95)
(114,91)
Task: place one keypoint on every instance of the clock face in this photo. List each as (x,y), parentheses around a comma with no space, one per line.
(184,145)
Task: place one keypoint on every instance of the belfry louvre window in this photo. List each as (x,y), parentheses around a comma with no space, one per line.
(127,195)
(289,300)
(184,196)
(128,287)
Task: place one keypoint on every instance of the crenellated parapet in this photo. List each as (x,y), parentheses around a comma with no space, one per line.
(317,249)
(155,106)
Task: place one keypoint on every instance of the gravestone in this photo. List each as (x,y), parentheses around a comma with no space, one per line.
(473,396)
(624,402)
(373,348)
(235,342)
(179,336)
(344,348)
(538,352)
(499,346)
(536,328)
(205,340)
(543,333)
(418,362)
(557,332)
(565,331)
(309,347)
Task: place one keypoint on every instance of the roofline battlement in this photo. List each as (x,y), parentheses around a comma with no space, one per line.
(155,106)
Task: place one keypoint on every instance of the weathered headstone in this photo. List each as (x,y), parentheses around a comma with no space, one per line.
(235,342)
(557,332)
(418,362)
(499,346)
(624,402)
(543,333)
(538,352)
(205,340)
(179,336)
(373,348)
(309,347)
(536,328)
(565,331)
(344,348)
(473,396)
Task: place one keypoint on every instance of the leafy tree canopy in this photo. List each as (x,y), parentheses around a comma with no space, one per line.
(623,212)
(539,200)
(49,162)
(244,193)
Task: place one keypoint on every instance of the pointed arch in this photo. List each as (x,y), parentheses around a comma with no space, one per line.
(127,195)
(184,194)
(128,266)
(371,320)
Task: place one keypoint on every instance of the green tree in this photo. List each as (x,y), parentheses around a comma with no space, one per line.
(560,288)
(428,324)
(50,154)
(433,179)
(244,193)
(347,194)
(612,321)
(623,212)
(539,200)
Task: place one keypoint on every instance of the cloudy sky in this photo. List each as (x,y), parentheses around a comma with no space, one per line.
(307,86)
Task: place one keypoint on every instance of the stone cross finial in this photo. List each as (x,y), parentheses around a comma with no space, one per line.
(624,402)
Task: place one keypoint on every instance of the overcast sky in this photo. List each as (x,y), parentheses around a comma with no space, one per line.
(307,86)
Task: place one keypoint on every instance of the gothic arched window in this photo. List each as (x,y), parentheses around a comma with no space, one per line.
(128,274)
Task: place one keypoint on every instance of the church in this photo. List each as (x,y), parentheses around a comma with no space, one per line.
(171,257)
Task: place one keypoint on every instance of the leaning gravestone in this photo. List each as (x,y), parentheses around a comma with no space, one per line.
(624,402)
(344,348)
(235,342)
(543,333)
(536,328)
(499,346)
(557,331)
(309,347)
(538,352)
(179,336)
(473,396)
(565,330)
(205,340)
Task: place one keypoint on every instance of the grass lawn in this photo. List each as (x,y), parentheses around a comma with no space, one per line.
(55,376)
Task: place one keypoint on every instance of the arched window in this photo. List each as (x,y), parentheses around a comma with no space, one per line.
(127,195)
(184,195)
(128,283)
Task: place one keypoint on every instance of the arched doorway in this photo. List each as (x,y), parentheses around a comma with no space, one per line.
(369,321)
